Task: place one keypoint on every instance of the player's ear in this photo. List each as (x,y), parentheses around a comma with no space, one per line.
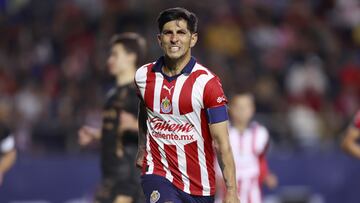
(193,40)
(159,40)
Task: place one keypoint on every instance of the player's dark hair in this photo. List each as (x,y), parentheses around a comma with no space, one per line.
(133,43)
(178,14)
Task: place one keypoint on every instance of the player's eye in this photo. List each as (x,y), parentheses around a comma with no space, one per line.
(166,32)
(181,32)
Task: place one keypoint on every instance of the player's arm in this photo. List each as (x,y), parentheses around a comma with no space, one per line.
(266,176)
(128,122)
(142,134)
(219,133)
(9,155)
(88,134)
(349,143)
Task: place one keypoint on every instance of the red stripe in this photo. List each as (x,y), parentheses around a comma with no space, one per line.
(156,158)
(172,159)
(193,167)
(209,151)
(149,88)
(253,142)
(165,94)
(185,105)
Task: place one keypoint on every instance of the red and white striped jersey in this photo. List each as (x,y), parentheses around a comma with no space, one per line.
(249,149)
(179,146)
(357,119)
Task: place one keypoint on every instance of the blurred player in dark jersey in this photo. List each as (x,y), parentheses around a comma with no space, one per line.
(352,137)
(118,136)
(7,151)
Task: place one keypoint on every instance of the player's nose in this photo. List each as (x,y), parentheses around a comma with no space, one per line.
(174,38)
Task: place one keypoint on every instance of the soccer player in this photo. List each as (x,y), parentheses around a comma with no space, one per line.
(249,141)
(118,136)
(350,142)
(7,151)
(182,111)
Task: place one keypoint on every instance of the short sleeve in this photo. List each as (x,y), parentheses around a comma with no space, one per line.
(213,94)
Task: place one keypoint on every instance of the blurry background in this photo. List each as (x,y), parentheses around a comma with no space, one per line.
(301,58)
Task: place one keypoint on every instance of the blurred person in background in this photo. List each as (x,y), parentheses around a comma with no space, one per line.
(182,111)
(7,151)
(350,143)
(249,141)
(118,136)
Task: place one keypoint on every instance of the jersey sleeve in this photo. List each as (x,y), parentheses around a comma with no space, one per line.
(264,145)
(213,94)
(215,102)
(264,169)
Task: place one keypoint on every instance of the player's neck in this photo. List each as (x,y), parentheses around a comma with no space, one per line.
(126,77)
(174,67)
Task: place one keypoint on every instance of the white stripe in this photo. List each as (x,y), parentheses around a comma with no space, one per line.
(176,96)
(157,91)
(197,100)
(183,167)
(149,158)
(140,79)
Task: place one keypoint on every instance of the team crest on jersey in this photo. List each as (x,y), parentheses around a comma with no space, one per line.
(155,196)
(165,105)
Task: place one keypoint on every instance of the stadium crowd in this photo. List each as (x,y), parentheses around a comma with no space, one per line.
(301,58)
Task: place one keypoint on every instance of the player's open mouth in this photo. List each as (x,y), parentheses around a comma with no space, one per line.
(174,49)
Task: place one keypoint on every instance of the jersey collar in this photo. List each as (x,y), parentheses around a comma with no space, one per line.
(187,69)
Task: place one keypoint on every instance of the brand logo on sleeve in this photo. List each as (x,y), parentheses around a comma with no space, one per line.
(220,99)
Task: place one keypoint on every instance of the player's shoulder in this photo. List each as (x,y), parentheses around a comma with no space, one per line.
(145,67)
(260,128)
(199,68)
(142,71)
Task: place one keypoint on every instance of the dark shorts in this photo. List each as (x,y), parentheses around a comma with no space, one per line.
(158,189)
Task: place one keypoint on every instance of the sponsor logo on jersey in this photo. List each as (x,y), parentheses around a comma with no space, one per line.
(159,124)
(155,196)
(166,105)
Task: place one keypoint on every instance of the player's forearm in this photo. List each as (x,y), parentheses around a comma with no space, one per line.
(352,148)
(226,162)
(220,135)
(350,143)
(7,161)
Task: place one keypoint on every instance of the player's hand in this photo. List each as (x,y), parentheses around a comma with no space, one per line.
(231,197)
(140,157)
(271,181)
(128,121)
(87,134)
